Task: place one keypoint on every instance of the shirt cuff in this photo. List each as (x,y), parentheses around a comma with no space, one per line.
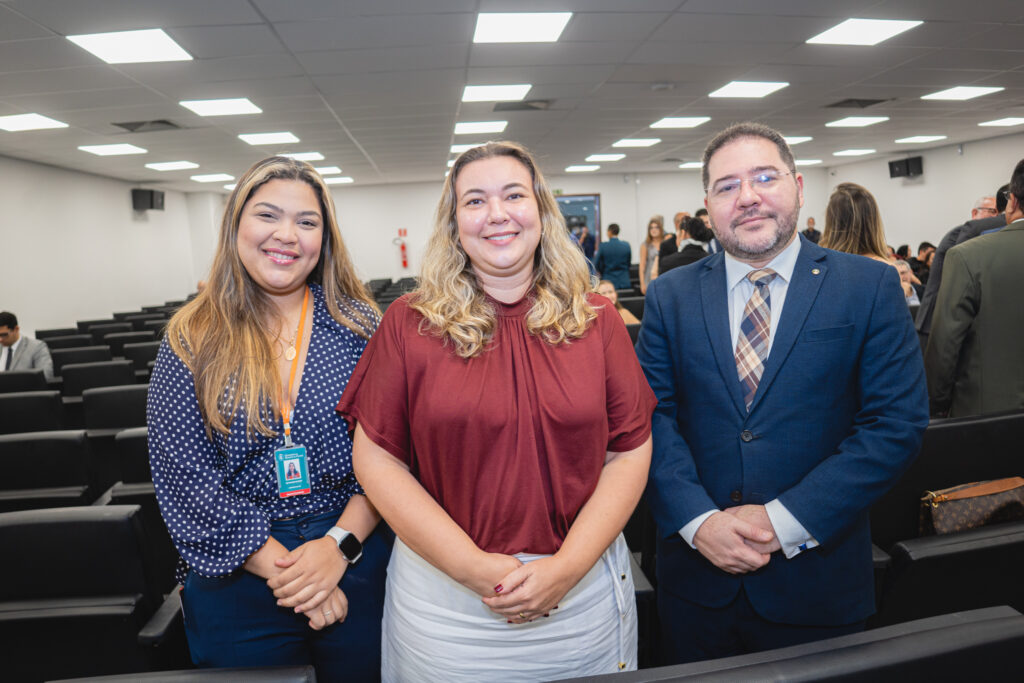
(690,530)
(792,535)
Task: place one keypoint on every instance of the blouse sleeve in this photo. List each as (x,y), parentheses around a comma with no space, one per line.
(630,399)
(214,528)
(377,393)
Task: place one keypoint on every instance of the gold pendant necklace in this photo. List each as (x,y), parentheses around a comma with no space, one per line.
(290,351)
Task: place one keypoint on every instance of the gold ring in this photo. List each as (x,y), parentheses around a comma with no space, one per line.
(522,616)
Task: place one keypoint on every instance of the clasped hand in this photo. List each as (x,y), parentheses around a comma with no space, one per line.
(531,590)
(739,540)
(309,582)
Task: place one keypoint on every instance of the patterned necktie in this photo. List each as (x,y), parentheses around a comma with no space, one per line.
(752,344)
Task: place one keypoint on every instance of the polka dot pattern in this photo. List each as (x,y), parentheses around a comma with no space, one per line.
(218,496)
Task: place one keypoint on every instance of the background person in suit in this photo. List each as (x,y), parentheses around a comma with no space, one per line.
(694,236)
(763,471)
(973,353)
(613,257)
(18,352)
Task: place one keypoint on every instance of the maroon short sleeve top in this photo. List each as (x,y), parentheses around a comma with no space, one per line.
(511,442)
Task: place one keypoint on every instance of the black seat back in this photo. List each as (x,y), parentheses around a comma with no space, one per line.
(31,411)
(116,407)
(140,353)
(80,354)
(55,332)
(98,332)
(139,320)
(43,460)
(117,340)
(84,325)
(69,342)
(633,304)
(22,380)
(81,376)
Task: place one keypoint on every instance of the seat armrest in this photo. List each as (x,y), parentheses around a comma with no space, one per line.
(880,558)
(159,625)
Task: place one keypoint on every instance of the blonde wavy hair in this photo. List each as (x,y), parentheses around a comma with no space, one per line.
(853,223)
(451,299)
(221,335)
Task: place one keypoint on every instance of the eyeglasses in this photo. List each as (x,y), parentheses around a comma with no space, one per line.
(1007,194)
(765,181)
(987,209)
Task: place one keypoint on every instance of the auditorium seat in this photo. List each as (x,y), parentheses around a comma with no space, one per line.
(79,354)
(81,376)
(117,340)
(634,304)
(267,674)
(22,380)
(940,574)
(139,320)
(77,596)
(98,332)
(980,645)
(84,325)
(634,332)
(31,411)
(133,455)
(70,341)
(44,469)
(55,332)
(140,354)
(162,554)
(953,452)
(115,408)
(123,316)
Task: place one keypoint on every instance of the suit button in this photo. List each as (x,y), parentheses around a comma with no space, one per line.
(735,496)
(747,435)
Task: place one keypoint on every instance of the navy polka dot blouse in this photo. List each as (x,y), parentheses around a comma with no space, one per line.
(219,496)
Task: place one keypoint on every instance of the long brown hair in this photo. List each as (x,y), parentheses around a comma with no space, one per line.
(451,299)
(853,223)
(220,335)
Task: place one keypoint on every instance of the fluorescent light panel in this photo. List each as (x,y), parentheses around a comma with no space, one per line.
(520,27)
(327,170)
(853,152)
(212,177)
(962,92)
(281,138)
(918,139)
(808,162)
(451,162)
(1009,121)
(582,168)
(636,142)
(797,139)
(172,165)
(338,180)
(19,122)
(748,89)
(230,186)
(112,150)
(680,122)
(226,107)
(495,93)
(856,121)
(475,127)
(132,47)
(691,164)
(605,157)
(459,149)
(863,32)
(304,156)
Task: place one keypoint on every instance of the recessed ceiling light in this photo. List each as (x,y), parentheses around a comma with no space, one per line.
(172,165)
(520,27)
(327,170)
(459,149)
(807,162)
(1009,121)
(338,180)
(582,168)
(131,47)
(961,92)
(680,122)
(856,121)
(304,156)
(852,152)
(796,139)
(863,32)
(228,107)
(212,177)
(230,186)
(282,138)
(112,150)
(691,164)
(636,142)
(20,122)
(917,139)
(748,89)
(605,157)
(495,93)
(471,127)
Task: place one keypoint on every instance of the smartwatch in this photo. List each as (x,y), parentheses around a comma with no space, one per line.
(350,547)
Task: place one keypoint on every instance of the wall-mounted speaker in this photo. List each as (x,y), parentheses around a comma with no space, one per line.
(144,200)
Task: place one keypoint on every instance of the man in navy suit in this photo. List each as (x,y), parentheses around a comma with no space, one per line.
(791,394)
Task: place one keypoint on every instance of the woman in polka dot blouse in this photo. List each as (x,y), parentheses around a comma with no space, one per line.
(280,559)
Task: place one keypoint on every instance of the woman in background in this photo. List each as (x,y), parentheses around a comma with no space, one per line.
(853,223)
(606,289)
(649,251)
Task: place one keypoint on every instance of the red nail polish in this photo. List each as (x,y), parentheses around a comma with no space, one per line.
(510,621)
(498,588)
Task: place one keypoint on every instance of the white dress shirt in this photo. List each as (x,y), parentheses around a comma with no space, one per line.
(8,351)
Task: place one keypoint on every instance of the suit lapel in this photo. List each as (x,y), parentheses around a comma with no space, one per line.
(808,274)
(714,298)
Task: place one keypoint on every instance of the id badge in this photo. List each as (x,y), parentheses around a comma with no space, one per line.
(292,471)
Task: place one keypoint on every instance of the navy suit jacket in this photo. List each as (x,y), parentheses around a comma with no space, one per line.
(837,417)
(613,257)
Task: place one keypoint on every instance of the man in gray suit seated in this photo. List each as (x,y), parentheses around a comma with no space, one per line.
(21,353)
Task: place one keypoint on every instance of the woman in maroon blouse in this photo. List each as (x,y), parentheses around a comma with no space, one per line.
(503,431)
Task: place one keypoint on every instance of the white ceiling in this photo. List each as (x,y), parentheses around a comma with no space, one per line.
(375,85)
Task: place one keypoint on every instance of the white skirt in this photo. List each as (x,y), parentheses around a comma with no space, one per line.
(436,629)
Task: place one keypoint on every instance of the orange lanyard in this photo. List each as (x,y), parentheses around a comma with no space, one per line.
(286,411)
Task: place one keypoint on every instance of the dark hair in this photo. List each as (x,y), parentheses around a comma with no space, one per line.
(613,228)
(1017,182)
(903,251)
(700,212)
(748,129)
(697,230)
(1001,200)
(8,319)
(924,245)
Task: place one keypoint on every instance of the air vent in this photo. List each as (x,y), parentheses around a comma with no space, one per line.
(524,105)
(147,126)
(671,160)
(854,103)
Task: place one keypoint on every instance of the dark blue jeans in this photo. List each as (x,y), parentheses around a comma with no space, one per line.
(235,621)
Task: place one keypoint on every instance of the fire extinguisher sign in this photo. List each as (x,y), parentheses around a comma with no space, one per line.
(400,241)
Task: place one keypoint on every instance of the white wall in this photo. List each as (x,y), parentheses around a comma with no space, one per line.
(74,249)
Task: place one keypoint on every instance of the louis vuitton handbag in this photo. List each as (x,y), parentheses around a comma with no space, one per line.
(969,506)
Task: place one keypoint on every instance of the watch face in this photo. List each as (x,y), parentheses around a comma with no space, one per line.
(351,548)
